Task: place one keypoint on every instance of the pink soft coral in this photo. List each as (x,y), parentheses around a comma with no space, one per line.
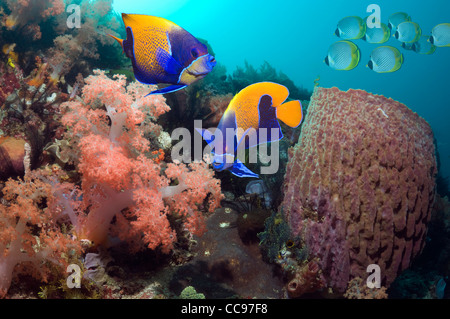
(31,237)
(109,126)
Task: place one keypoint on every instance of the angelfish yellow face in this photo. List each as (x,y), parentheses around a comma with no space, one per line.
(197,70)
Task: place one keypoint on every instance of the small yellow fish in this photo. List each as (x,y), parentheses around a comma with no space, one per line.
(11,63)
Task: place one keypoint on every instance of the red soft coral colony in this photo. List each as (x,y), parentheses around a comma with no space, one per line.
(360,185)
(32,239)
(119,173)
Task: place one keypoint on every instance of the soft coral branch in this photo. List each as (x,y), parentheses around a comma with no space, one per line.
(31,235)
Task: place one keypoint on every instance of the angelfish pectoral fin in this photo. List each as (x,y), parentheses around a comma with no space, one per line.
(167,62)
(128,44)
(168,89)
(240,170)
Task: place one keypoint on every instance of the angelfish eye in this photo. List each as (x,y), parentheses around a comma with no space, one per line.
(194,53)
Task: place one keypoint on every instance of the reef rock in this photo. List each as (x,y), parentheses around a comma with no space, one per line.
(12,154)
(360,185)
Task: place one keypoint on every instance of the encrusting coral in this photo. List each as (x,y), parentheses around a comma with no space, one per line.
(360,185)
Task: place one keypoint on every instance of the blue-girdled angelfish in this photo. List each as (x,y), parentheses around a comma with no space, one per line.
(395,19)
(251,119)
(385,59)
(408,32)
(377,35)
(343,56)
(162,52)
(351,28)
(424,46)
(440,35)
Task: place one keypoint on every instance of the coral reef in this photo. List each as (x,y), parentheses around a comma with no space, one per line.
(308,279)
(9,81)
(224,266)
(360,185)
(274,237)
(357,289)
(26,15)
(190,293)
(31,107)
(68,50)
(433,264)
(114,184)
(12,155)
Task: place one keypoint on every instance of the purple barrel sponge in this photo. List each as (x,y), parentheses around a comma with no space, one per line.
(360,185)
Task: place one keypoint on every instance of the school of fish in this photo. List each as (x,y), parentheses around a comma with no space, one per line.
(345,55)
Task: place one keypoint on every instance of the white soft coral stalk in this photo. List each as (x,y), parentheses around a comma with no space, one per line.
(11,257)
(117,123)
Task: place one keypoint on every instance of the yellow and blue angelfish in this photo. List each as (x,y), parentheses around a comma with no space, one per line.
(163,52)
(251,119)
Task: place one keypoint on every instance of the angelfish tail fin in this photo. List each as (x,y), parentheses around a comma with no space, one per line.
(290,113)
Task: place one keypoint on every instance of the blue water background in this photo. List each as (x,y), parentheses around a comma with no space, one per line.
(294,36)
